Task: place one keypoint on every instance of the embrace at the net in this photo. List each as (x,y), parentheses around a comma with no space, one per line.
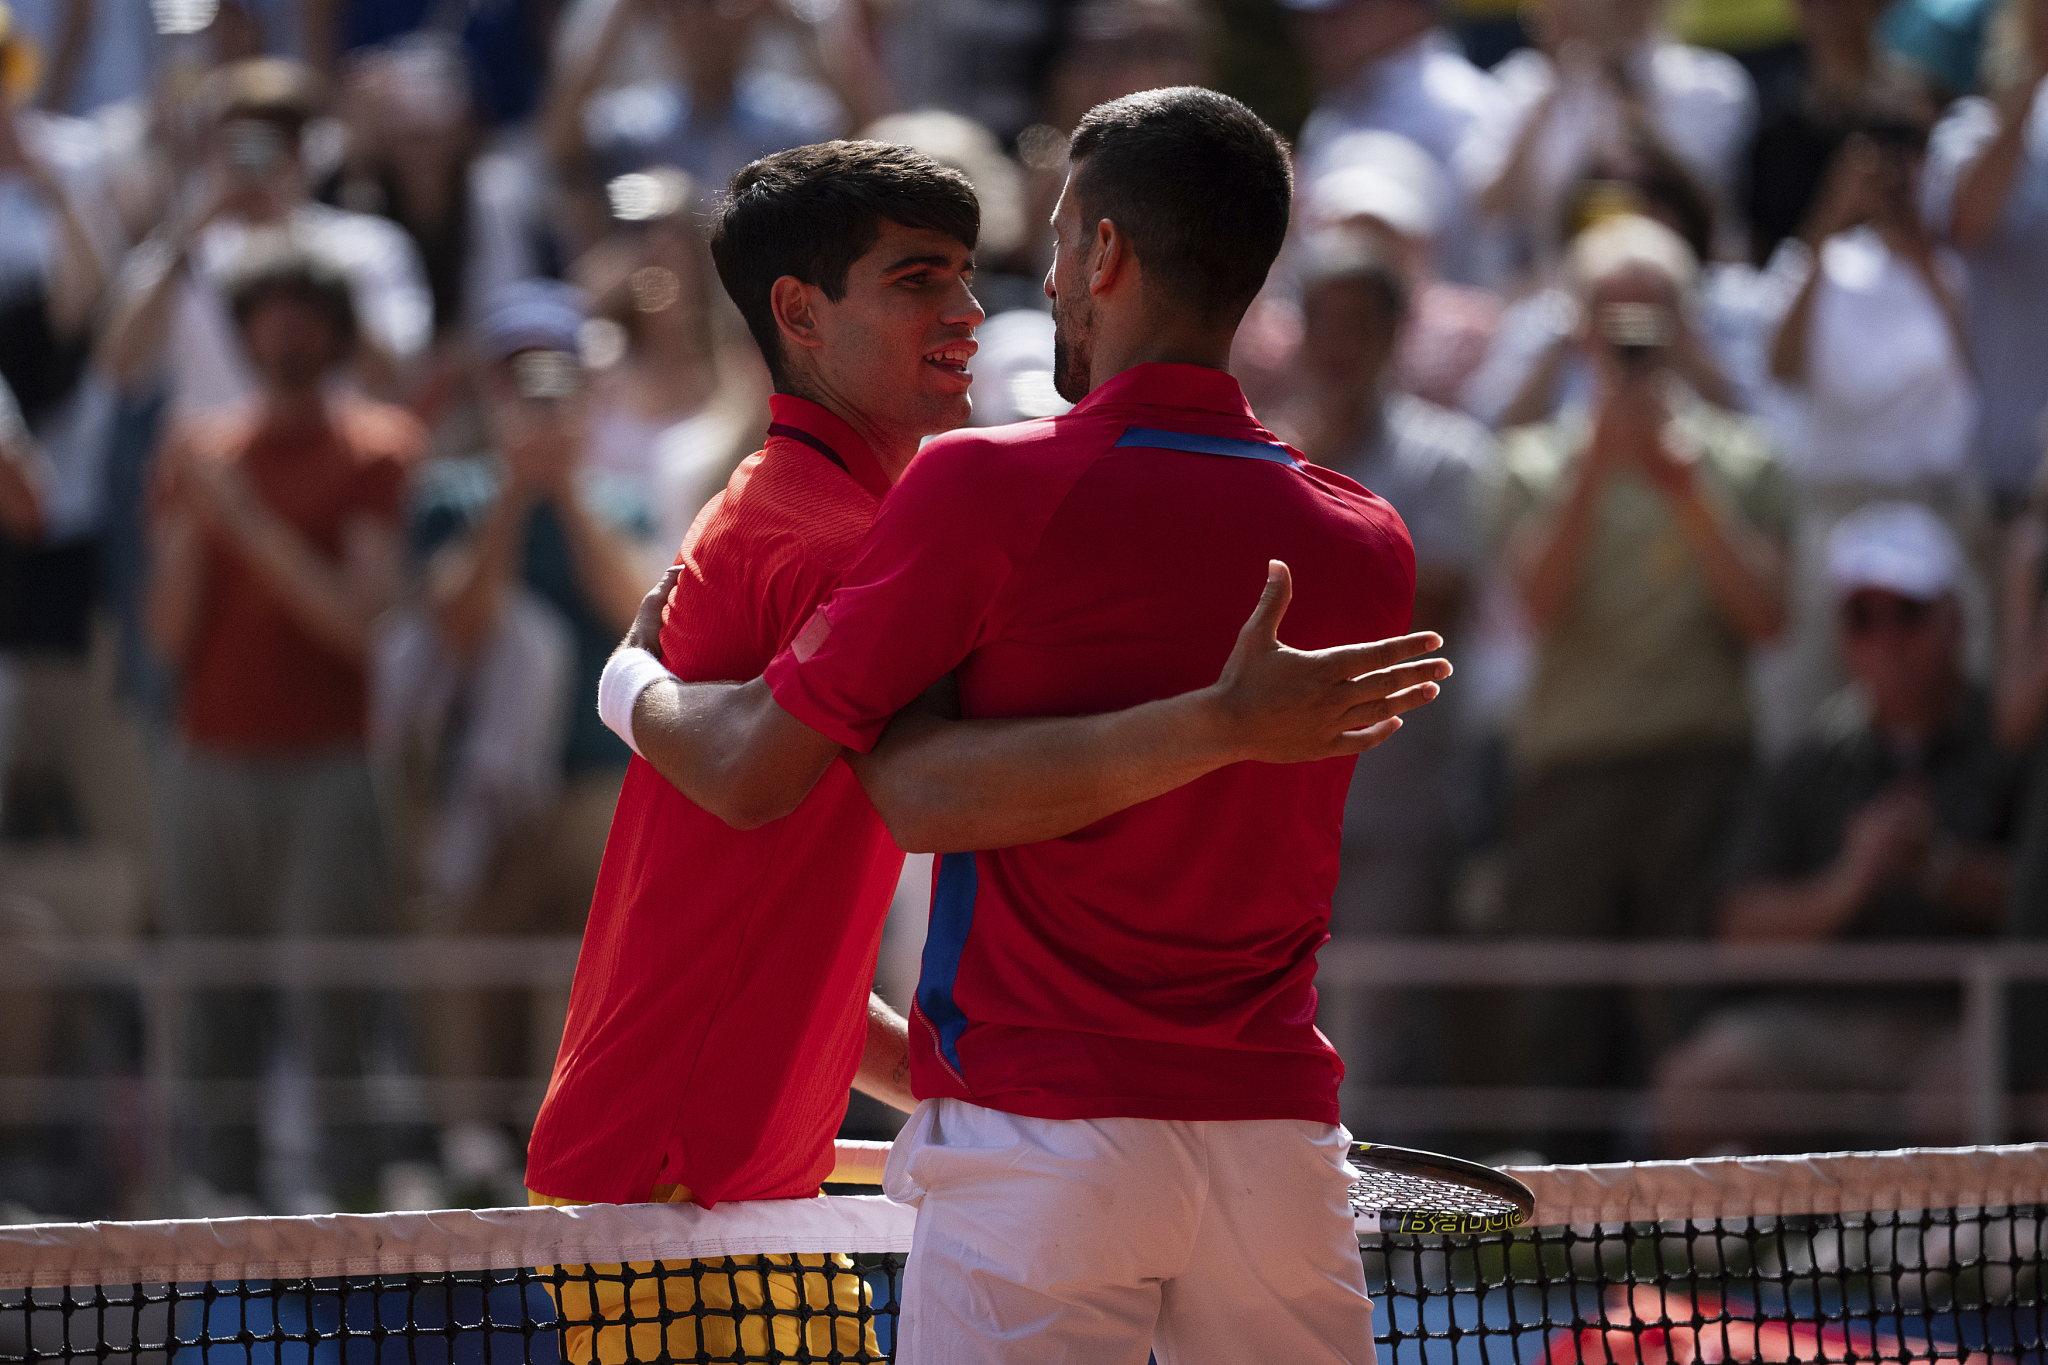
(747,680)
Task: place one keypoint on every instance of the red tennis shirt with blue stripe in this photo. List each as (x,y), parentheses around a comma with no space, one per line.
(720,1003)
(1159,963)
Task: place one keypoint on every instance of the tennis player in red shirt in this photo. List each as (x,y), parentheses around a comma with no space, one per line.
(1127,1135)
(718,1009)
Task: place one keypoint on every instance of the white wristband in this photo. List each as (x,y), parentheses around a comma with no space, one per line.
(626,675)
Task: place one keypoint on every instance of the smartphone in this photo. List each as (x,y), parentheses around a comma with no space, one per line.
(253,147)
(1640,333)
(546,376)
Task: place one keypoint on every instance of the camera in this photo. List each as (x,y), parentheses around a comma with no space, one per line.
(253,147)
(546,376)
(1640,333)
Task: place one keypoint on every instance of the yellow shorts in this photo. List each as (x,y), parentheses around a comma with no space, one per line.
(612,1314)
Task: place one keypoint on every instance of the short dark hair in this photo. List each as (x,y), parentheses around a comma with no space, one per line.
(268,271)
(1199,184)
(811,212)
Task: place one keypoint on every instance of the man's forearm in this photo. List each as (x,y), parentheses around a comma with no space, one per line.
(946,786)
(885,1061)
(1985,184)
(730,748)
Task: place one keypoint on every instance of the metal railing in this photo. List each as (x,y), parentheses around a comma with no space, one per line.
(1983,970)
(163,974)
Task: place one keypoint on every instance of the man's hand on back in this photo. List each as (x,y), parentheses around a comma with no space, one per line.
(645,632)
(1274,704)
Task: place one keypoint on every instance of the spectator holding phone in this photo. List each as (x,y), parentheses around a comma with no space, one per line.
(535,563)
(1645,535)
(170,320)
(1876,354)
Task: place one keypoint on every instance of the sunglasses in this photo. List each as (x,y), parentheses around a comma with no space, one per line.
(1869,614)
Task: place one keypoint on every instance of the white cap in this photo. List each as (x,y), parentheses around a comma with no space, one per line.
(1897,547)
(1383,176)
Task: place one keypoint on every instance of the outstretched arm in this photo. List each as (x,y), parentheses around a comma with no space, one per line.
(943,784)
(946,784)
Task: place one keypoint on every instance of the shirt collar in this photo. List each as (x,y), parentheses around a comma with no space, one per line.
(1173,386)
(802,422)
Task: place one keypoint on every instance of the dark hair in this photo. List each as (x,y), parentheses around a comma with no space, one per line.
(267,272)
(811,212)
(1348,258)
(1650,175)
(1199,184)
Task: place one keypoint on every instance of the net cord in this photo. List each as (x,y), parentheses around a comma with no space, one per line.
(1711,1188)
(53,1255)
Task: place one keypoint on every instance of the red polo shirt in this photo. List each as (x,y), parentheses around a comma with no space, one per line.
(1160,963)
(720,1002)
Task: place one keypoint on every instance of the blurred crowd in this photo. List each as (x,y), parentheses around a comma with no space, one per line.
(363,365)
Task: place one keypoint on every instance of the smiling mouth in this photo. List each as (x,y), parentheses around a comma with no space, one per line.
(952,359)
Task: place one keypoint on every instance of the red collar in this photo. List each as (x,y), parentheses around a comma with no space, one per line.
(1172,386)
(805,423)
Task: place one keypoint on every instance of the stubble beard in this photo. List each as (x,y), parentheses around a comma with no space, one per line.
(1070,350)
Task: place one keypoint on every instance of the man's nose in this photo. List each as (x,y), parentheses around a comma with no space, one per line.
(968,309)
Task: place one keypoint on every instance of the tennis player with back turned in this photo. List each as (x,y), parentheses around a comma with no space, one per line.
(1127,1135)
(717,1015)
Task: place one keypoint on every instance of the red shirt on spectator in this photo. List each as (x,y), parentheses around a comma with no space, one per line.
(257,680)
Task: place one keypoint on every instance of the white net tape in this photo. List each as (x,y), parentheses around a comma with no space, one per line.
(58,1254)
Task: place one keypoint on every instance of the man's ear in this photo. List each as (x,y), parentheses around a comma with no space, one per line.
(794,306)
(1114,258)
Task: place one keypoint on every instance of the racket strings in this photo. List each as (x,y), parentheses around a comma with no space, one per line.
(1388,1190)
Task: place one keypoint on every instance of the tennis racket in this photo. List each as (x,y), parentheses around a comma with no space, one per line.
(1399,1190)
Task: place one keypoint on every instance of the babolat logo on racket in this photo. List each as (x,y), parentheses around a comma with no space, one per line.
(1437,1224)
(1424,1193)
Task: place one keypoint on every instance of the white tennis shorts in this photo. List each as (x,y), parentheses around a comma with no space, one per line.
(1098,1241)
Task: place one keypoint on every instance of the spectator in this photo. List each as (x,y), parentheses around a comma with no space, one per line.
(1114,48)
(1890,820)
(1437,468)
(1987,193)
(1010,255)
(502,43)
(1841,77)
(276,547)
(413,157)
(1388,66)
(170,323)
(1601,72)
(1875,352)
(99,54)
(535,564)
(1535,366)
(1390,191)
(2022,712)
(1645,538)
(1941,42)
(723,113)
(673,401)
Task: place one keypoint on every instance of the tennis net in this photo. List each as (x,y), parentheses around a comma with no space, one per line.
(1897,1256)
